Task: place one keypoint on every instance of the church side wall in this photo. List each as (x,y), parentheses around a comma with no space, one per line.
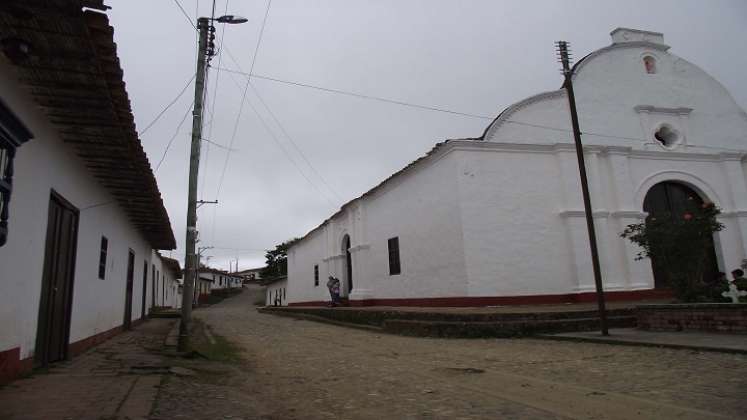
(515,240)
(44,164)
(422,211)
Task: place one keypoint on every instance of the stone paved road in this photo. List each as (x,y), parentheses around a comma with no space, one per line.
(307,370)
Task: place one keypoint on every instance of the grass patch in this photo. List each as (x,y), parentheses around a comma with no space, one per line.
(212,346)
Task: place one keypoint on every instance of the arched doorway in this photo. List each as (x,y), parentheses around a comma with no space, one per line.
(673,198)
(348,263)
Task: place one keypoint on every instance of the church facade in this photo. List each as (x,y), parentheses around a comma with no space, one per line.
(500,219)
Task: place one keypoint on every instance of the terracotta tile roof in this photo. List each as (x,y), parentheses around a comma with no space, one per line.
(73,73)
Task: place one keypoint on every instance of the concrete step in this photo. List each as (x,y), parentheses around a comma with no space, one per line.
(379,317)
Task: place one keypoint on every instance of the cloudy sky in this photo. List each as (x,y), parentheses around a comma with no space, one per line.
(297,154)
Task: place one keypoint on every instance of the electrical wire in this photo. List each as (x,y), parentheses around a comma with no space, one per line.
(284,131)
(259,40)
(243,99)
(215,93)
(233,137)
(357,95)
(171,140)
(184,12)
(163,111)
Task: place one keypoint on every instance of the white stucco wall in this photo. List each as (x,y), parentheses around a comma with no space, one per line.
(504,216)
(43,164)
(420,209)
(279,290)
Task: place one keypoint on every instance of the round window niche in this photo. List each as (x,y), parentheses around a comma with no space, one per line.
(667,136)
(649,64)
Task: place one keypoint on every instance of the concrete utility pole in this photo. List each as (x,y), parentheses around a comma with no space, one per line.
(206,49)
(190,258)
(568,73)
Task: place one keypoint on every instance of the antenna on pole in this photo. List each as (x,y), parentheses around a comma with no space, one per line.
(564,57)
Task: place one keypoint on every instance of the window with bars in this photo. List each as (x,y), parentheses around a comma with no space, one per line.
(316,275)
(394,265)
(12,135)
(102,257)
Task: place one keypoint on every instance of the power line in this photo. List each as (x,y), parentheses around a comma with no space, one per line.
(358,95)
(163,111)
(298,149)
(284,131)
(259,40)
(215,93)
(186,15)
(233,136)
(178,127)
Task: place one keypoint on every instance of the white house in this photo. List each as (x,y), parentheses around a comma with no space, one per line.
(81,212)
(500,219)
(166,286)
(276,293)
(250,274)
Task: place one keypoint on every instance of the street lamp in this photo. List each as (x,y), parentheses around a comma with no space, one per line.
(204,26)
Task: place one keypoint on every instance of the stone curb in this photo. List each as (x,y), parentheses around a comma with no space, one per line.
(641,344)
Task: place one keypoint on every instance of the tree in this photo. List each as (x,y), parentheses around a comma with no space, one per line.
(679,243)
(276,260)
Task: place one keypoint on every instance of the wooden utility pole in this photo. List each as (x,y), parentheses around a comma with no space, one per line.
(568,73)
(190,258)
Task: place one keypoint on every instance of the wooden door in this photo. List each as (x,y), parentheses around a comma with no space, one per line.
(55,306)
(145,289)
(671,199)
(128,292)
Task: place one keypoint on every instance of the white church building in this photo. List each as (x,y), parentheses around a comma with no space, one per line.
(500,219)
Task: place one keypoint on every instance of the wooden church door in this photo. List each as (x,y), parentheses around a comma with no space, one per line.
(673,198)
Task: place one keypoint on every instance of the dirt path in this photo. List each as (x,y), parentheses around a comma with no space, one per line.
(308,370)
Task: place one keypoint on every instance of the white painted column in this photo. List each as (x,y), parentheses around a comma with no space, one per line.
(733,239)
(574,220)
(360,255)
(634,274)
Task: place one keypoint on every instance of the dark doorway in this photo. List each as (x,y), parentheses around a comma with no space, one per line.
(348,262)
(55,306)
(673,198)
(128,291)
(145,289)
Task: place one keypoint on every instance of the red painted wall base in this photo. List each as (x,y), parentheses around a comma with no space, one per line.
(504,300)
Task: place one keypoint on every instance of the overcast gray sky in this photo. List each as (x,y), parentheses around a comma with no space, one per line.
(475,57)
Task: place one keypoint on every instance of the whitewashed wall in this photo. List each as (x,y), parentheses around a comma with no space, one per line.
(278,290)
(43,164)
(504,216)
(420,209)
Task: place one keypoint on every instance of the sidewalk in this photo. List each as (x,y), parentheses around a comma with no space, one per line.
(703,341)
(117,379)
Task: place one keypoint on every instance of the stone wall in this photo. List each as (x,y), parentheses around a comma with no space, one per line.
(715,317)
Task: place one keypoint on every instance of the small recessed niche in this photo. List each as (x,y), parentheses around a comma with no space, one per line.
(667,136)
(649,63)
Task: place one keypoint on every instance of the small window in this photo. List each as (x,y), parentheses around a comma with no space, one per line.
(316,275)
(649,63)
(394,267)
(102,257)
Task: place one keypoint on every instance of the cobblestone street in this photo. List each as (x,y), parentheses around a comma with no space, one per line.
(117,379)
(307,370)
(291,369)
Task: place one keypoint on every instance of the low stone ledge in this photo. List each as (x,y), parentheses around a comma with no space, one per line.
(714,317)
